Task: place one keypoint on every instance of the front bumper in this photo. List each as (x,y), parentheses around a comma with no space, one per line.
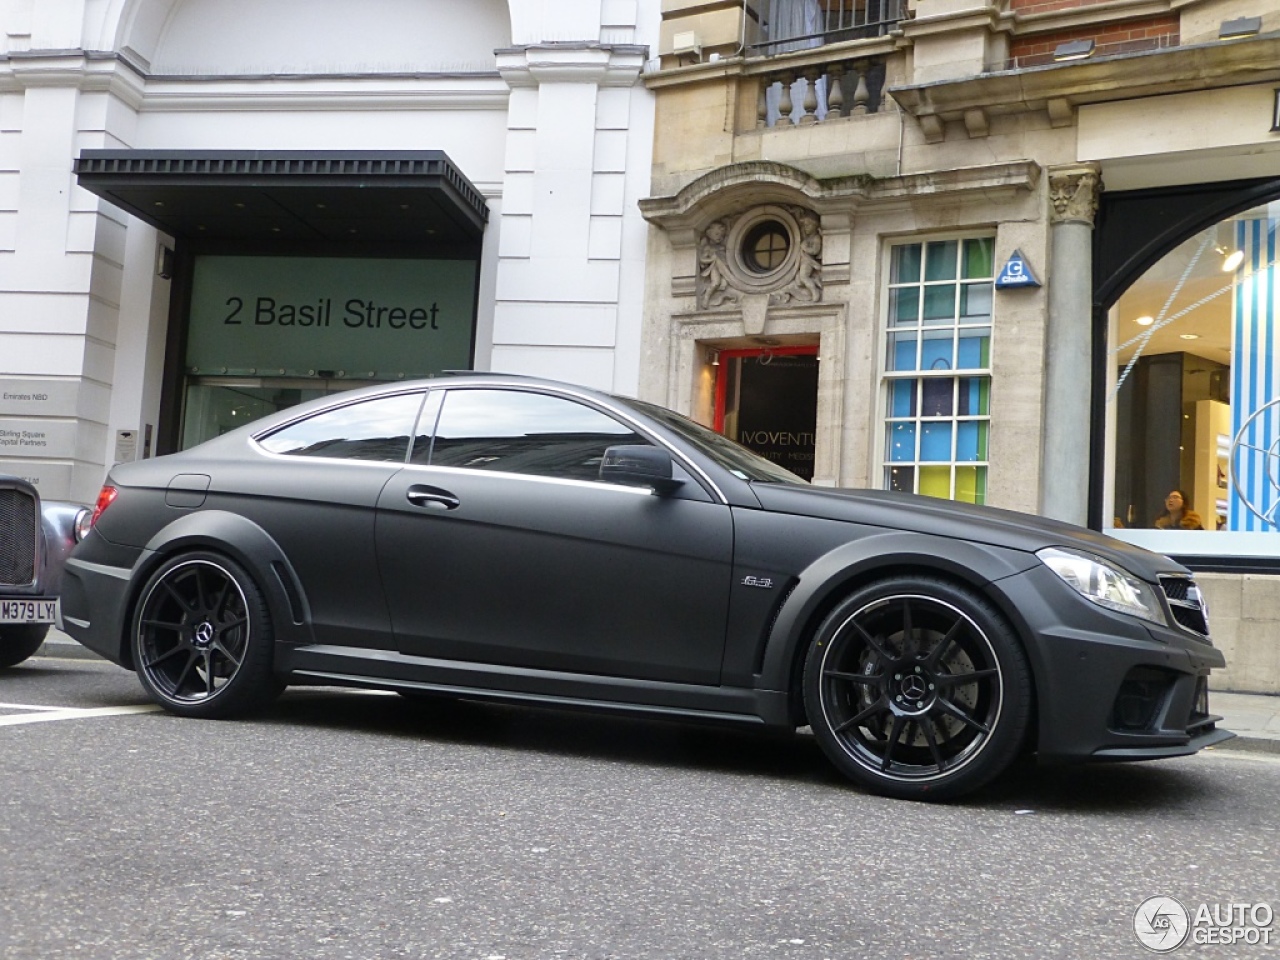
(1111,686)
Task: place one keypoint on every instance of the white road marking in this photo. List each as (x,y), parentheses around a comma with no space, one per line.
(47,714)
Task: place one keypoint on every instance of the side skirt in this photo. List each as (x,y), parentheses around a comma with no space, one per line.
(318,664)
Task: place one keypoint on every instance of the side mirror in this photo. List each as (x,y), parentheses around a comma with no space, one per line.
(639,465)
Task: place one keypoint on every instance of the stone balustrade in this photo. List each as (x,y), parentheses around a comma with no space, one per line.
(820,92)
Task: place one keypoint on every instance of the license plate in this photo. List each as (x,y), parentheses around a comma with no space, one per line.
(28,611)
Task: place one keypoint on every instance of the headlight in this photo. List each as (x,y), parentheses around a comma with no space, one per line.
(1105,584)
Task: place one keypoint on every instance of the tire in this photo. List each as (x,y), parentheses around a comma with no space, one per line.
(202,639)
(20,641)
(918,689)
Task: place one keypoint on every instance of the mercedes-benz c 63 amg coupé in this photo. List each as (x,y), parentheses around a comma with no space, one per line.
(505,538)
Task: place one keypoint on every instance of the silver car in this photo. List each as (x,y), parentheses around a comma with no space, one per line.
(35,539)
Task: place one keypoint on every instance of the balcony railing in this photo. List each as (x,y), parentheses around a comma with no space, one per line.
(844,88)
(787,25)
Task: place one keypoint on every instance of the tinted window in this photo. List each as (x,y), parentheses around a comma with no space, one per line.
(737,459)
(522,432)
(372,430)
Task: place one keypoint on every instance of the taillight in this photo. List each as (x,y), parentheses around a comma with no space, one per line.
(106,496)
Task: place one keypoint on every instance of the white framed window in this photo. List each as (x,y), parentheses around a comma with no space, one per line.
(937,367)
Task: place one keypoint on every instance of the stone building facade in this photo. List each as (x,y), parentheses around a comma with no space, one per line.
(210,209)
(975,249)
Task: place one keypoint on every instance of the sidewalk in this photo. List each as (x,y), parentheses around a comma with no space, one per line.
(1253,717)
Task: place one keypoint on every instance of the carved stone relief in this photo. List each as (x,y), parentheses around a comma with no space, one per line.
(728,271)
(714,288)
(1073,191)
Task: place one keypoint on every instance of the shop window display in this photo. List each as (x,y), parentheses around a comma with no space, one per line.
(1192,408)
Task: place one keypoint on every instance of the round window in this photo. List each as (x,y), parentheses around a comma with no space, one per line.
(765,247)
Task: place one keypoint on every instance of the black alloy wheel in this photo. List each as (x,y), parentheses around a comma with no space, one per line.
(916,688)
(202,640)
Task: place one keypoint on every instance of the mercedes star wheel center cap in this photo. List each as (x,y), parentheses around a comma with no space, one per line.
(204,634)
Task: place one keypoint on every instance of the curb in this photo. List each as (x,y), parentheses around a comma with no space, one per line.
(1247,744)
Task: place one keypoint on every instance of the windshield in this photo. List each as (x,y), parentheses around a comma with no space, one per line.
(734,457)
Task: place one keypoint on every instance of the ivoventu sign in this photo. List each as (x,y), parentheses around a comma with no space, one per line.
(330,316)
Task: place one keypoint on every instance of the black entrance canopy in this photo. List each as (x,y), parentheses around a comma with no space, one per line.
(257,196)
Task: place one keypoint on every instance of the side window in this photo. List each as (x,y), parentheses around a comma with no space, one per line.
(372,430)
(521,432)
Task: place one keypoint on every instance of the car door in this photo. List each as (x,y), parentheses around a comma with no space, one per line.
(314,488)
(507,549)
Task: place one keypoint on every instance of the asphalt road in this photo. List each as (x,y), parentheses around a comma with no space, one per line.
(355,825)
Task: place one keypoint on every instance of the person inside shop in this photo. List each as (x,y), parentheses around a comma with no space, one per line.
(1177,515)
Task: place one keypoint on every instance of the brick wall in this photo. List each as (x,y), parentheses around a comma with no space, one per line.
(1128,36)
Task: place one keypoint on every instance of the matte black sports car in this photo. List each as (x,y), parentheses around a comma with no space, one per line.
(36,537)
(512,539)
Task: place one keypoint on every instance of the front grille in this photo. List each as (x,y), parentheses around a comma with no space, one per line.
(17,538)
(1186,603)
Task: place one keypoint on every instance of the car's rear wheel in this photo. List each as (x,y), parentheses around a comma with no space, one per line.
(918,688)
(20,641)
(202,638)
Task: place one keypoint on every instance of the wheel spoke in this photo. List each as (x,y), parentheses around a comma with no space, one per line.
(172,652)
(880,706)
(934,659)
(951,709)
(163,625)
(208,673)
(182,601)
(218,646)
(960,679)
(867,679)
(232,624)
(930,737)
(894,733)
(872,642)
(186,669)
(218,604)
(910,644)
(201,601)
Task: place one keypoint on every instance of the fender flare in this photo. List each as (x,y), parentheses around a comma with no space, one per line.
(836,573)
(246,543)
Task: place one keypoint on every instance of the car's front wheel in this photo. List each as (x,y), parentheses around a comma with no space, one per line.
(20,641)
(918,688)
(202,638)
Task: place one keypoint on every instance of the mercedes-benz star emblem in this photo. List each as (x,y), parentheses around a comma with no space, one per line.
(204,634)
(913,687)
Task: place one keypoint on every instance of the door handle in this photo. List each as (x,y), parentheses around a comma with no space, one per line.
(432,497)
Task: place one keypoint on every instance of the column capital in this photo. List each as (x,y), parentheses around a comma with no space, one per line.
(1073,193)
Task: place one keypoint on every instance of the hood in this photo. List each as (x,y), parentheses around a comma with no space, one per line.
(963,521)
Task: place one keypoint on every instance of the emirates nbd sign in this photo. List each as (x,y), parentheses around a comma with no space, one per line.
(330,316)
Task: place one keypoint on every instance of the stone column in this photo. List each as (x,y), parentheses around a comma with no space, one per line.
(1065,452)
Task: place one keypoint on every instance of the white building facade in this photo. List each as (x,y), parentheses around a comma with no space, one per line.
(210,209)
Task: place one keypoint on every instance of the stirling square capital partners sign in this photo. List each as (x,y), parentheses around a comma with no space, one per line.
(330,316)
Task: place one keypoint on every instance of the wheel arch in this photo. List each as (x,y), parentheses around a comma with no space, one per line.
(838,573)
(241,540)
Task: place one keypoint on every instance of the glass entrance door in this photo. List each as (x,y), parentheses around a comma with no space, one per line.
(767,400)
